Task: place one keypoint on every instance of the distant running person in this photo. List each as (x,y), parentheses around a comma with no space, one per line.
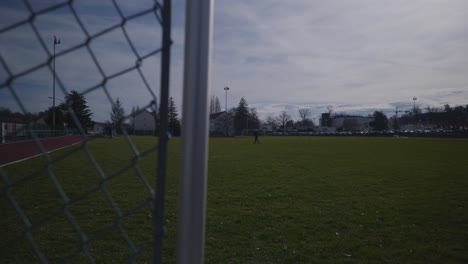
(256,137)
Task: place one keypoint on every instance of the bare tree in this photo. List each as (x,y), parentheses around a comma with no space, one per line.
(417,110)
(212,105)
(271,121)
(283,118)
(217,105)
(117,115)
(330,109)
(304,113)
(431,109)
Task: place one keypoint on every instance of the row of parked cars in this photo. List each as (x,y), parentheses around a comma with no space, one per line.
(419,132)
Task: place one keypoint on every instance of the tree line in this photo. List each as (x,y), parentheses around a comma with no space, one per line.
(446,117)
(73,106)
(74,112)
(243,116)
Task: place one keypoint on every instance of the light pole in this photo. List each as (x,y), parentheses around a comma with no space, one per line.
(53,113)
(226,89)
(56,42)
(414,110)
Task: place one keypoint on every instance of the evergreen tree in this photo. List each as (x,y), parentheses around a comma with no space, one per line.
(78,105)
(174,123)
(380,121)
(117,115)
(241,115)
(59,116)
(254,121)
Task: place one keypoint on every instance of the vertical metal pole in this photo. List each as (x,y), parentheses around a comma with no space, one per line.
(158,216)
(3,130)
(226,89)
(414,112)
(53,97)
(193,178)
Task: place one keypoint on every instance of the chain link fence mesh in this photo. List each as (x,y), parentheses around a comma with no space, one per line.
(86,217)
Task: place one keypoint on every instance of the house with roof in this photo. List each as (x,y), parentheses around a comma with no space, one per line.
(99,128)
(144,123)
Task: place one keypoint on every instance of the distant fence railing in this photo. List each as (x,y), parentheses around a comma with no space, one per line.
(143,132)
(26,135)
(18,132)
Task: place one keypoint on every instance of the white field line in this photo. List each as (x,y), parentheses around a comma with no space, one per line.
(16,161)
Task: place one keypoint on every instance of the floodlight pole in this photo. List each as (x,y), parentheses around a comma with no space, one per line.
(226,89)
(414,110)
(53,92)
(194,165)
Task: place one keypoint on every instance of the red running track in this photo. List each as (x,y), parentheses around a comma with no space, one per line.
(11,152)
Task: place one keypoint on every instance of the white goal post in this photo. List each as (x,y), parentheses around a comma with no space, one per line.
(193,179)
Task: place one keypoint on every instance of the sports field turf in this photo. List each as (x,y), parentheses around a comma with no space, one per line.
(288,200)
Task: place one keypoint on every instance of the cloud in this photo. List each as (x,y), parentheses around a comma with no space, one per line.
(361,52)
(357,55)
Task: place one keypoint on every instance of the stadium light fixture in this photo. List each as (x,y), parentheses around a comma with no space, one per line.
(226,89)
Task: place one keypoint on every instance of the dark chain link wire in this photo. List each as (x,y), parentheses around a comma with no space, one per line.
(158,10)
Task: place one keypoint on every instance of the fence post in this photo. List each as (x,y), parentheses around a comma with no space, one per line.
(3,130)
(158,219)
(192,200)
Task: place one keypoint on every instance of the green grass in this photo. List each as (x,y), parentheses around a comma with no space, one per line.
(288,200)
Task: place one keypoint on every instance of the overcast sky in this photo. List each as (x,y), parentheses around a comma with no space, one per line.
(356,55)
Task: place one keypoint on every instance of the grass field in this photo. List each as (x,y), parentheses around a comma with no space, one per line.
(288,200)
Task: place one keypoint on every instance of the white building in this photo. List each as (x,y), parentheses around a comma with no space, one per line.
(145,121)
(98,128)
(349,122)
(12,127)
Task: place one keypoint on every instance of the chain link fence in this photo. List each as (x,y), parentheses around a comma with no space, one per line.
(52,213)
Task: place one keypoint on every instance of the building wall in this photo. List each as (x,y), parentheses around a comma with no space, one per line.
(351,122)
(99,128)
(145,121)
(324,121)
(12,130)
